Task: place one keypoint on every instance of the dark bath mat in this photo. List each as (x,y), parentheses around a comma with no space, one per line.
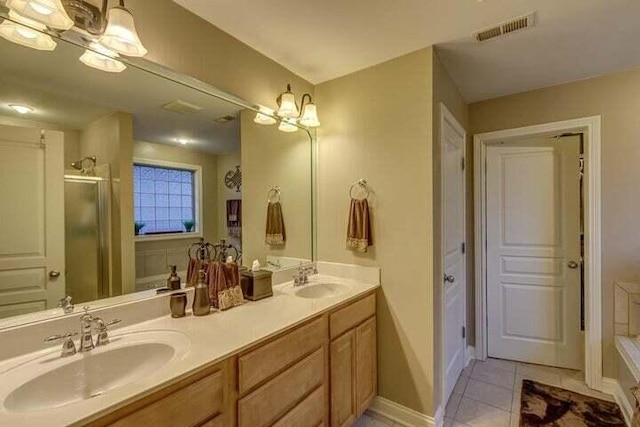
(545,405)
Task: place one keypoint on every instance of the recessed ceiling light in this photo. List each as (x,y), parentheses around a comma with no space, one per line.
(22,109)
(183,141)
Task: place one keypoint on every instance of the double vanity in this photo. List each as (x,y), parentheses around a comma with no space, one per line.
(304,357)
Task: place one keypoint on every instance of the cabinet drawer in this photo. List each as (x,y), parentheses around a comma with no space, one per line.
(309,413)
(276,397)
(218,421)
(352,315)
(266,361)
(187,406)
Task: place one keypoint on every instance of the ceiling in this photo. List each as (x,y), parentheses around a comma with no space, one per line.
(572,40)
(64,92)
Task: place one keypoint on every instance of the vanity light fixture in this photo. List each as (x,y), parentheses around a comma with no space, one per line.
(183,141)
(288,125)
(101,58)
(265,117)
(48,12)
(288,108)
(26,32)
(120,34)
(21,109)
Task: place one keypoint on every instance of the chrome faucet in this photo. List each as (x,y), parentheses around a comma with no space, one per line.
(87,322)
(302,278)
(86,331)
(65,304)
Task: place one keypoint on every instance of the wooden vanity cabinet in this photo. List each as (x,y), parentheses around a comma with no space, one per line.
(353,361)
(203,399)
(322,373)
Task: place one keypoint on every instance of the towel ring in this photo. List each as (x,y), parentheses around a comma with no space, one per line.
(363,184)
(274,192)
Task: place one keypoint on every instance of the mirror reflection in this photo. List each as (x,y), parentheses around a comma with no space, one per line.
(107,180)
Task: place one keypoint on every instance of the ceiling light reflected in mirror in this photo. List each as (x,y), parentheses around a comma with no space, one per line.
(101,58)
(26,32)
(288,125)
(21,109)
(48,12)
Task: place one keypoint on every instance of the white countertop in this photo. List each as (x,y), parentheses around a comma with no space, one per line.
(213,338)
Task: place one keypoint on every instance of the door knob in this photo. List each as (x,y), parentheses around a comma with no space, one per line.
(572,264)
(449,278)
(54,274)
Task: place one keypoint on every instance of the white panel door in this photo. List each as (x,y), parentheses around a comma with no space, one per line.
(533,252)
(453,227)
(31,220)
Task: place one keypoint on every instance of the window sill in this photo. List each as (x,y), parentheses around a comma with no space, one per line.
(170,236)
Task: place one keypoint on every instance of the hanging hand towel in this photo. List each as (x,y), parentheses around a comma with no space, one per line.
(192,271)
(359,229)
(276,234)
(224,285)
(234,217)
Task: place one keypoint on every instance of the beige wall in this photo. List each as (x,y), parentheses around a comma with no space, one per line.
(273,158)
(377,125)
(226,163)
(182,41)
(445,92)
(110,139)
(152,257)
(617,99)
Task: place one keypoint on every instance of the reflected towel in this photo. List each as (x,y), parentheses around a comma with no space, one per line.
(275,234)
(359,228)
(234,217)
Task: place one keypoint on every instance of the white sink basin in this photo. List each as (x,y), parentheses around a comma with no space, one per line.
(320,290)
(51,382)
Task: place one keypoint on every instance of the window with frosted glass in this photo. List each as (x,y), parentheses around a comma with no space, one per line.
(163,199)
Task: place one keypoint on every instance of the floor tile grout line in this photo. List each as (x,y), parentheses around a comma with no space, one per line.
(478,401)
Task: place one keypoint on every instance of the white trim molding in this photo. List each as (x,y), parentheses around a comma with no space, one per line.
(470,355)
(403,415)
(590,127)
(612,386)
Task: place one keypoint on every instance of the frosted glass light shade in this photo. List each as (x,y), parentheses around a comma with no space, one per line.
(288,107)
(121,35)
(264,117)
(26,35)
(48,12)
(101,58)
(288,125)
(310,116)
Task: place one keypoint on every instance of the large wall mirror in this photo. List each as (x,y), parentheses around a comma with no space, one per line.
(109,178)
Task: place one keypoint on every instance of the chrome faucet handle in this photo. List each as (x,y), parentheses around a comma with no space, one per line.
(103,333)
(68,346)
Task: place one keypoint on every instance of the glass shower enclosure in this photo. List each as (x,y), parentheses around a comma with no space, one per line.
(87,236)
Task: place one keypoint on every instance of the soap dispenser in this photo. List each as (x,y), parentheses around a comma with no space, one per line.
(173,282)
(201,302)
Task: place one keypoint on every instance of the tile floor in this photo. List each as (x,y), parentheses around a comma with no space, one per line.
(488,394)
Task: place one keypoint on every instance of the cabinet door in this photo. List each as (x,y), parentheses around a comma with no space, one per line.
(366,365)
(343,377)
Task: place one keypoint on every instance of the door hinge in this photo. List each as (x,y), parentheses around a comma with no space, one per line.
(464,247)
(464,332)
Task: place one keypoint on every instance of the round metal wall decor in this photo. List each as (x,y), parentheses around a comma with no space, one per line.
(234,179)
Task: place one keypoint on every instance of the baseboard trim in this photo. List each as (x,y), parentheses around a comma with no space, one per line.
(612,386)
(403,415)
(470,354)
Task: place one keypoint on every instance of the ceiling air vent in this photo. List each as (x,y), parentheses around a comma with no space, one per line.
(181,107)
(505,28)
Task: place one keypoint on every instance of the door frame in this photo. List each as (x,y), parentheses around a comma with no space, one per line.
(447,116)
(591,128)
